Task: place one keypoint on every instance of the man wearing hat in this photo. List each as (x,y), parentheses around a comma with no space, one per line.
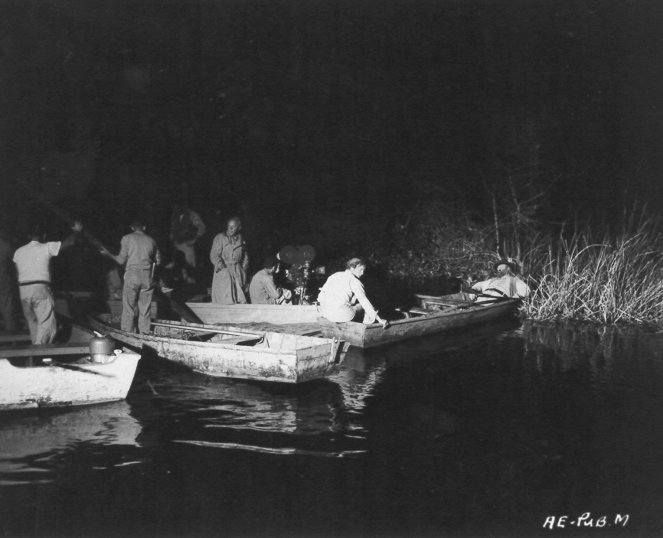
(263,290)
(505,285)
(139,255)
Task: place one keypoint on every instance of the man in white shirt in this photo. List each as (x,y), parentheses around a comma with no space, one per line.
(342,297)
(34,280)
(505,285)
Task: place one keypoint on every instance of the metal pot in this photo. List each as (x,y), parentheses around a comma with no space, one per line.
(101,348)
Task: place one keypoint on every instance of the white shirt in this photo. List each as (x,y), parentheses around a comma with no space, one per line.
(504,286)
(343,288)
(33,260)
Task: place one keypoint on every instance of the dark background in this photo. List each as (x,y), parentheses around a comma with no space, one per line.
(270,109)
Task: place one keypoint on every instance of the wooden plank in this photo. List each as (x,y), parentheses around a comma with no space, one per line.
(254,313)
(14,338)
(45,350)
(420,311)
(206,329)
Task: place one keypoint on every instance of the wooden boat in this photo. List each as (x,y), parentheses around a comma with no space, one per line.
(255,313)
(437,314)
(65,376)
(234,352)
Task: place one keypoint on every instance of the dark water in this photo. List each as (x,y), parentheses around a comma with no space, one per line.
(487,433)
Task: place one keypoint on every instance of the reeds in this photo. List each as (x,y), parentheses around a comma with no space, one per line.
(616,280)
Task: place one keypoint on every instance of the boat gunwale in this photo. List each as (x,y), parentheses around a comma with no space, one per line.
(326,342)
(435,322)
(433,315)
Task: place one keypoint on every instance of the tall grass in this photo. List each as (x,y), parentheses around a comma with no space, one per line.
(615,280)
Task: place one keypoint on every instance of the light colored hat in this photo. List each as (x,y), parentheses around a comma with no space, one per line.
(510,263)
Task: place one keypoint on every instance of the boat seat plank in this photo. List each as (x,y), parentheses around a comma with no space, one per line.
(205,329)
(420,311)
(46,350)
(443,303)
(14,338)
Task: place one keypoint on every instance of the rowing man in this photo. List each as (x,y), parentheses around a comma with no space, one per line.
(505,285)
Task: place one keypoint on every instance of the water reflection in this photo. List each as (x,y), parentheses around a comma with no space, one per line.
(31,443)
(611,356)
(480,433)
(321,418)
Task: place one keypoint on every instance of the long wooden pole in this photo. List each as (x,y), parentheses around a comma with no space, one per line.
(183,311)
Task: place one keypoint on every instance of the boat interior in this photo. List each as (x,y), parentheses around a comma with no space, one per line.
(232,335)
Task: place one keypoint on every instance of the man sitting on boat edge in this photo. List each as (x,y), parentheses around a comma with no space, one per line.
(342,297)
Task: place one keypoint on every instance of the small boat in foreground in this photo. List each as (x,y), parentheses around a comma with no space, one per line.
(234,352)
(66,374)
(436,314)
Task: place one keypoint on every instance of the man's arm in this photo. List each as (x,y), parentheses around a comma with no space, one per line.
(371,313)
(122,257)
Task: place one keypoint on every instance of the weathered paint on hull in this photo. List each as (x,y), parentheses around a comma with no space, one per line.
(279,357)
(67,385)
(367,336)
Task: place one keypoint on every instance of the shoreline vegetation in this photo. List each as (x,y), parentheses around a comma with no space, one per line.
(614,277)
(615,280)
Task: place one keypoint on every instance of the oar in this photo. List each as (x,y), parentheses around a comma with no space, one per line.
(478,293)
(59,212)
(207,329)
(183,311)
(76,368)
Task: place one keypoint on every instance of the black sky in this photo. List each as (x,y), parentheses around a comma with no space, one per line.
(339,105)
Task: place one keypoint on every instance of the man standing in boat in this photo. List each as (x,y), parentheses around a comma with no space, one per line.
(34,281)
(343,297)
(139,254)
(505,284)
(263,290)
(230,261)
(186,227)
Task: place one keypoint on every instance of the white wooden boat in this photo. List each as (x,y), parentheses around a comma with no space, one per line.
(438,314)
(255,313)
(234,352)
(64,376)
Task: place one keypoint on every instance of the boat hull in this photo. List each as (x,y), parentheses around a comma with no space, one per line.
(458,314)
(232,352)
(65,384)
